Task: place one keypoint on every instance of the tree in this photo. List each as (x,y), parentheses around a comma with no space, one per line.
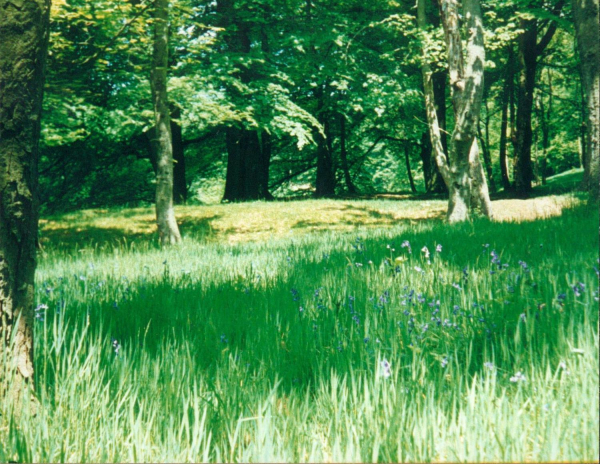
(585,15)
(23,45)
(165,214)
(528,53)
(460,167)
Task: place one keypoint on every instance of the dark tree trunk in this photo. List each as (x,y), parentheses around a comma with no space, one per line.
(325,179)
(168,231)
(437,184)
(413,189)
(247,166)
(179,182)
(344,156)
(529,49)
(247,158)
(585,14)
(23,45)
(506,92)
(484,141)
(527,57)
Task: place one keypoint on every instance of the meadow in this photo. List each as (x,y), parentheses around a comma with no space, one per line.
(326,331)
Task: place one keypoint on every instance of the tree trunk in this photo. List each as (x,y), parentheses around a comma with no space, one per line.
(248,159)
(585,13)
(487,157)
(325,179)
(23,46)
(247,165)
(165,215)
(527,57)
(413,189)
(460,166)
(344,156)
(529,49)
(508,83)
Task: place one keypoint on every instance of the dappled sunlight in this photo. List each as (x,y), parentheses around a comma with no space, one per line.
(265,221)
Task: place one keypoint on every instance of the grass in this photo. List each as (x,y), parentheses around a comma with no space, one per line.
(236,348)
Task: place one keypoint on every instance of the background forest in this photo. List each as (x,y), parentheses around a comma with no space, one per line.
(297,98)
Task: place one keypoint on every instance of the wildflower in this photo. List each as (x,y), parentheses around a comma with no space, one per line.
(386,369)
(578,289)
(561,297)
(224,339)
(418,269)
(420,298)
(523,265)
(425,328)
(489,365)
(518,377)
(523,317)
(40,311)
(457,287)
(295,294)
(444,362)
(438,248)
(406,244)
(116,346)
(426,251)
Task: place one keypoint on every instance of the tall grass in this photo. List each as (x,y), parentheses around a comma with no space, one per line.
(328,347)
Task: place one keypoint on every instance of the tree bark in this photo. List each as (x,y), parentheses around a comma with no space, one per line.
(325,178)
(248,150)
(168,230)
(529,49)
(23,46)
(460,166)
(585,14)
(506,92)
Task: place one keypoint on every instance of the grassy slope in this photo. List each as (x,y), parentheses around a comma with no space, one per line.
(239,348)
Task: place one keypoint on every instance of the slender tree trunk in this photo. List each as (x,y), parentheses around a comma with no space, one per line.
(460,167)
(508,81)
(529,49)
(527,57)
(325,179)
(168,230)
(585,13)
(344,156)
(23,45)
(413,189)
(484,141)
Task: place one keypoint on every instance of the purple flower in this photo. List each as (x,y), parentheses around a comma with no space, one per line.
(406,244)
(438,248)
(523,317)
(444,362)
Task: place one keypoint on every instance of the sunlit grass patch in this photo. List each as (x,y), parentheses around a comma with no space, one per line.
(262,221)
